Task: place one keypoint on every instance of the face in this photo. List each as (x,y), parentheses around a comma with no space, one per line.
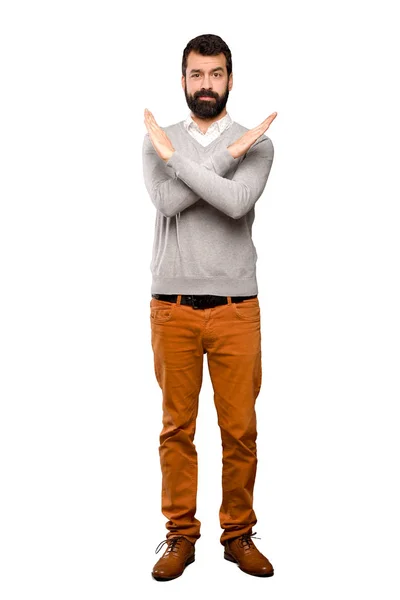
(206,84)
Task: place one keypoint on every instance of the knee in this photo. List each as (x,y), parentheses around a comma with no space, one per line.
(178,432)
(239,431)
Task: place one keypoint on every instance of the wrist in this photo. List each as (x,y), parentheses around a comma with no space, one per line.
(232,152)
(168,156)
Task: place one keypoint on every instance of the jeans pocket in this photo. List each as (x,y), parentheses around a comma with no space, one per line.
(161,311)
(247,310)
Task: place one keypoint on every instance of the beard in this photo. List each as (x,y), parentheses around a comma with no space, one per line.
(205,109)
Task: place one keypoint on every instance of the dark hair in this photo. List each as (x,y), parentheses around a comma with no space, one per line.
(207,45)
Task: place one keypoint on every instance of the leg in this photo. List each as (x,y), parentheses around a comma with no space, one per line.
(178,364)
(234,361)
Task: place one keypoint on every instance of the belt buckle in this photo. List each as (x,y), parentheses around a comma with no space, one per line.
(201,301)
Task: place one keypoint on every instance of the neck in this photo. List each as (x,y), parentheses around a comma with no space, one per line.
(204,123)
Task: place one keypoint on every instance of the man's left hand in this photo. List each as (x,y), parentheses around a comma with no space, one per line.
(159,139)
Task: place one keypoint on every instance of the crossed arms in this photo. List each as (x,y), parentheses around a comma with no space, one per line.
(187,181)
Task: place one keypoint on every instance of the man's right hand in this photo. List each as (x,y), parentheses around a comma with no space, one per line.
(241,145)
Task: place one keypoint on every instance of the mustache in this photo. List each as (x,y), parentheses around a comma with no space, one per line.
(205,95)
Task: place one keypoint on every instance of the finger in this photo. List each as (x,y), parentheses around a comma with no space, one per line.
(150,126)
(153,122)
(270,118)
(154,127)
(151,116)
(266,121)
(265,124)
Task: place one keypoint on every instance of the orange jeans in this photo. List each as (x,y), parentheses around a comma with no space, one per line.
(230,335)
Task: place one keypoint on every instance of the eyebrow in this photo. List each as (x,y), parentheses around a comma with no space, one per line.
(201,70)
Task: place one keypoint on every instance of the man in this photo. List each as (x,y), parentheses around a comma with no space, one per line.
(204,176)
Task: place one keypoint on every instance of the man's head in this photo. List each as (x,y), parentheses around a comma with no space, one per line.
(207,72)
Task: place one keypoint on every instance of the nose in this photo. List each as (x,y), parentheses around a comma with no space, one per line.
(207,83)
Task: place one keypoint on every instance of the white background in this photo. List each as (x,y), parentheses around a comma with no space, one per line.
(80,406)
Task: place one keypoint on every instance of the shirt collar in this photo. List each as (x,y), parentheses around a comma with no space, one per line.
(221,124)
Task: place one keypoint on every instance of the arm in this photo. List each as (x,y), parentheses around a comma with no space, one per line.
(169,194)
(236,196)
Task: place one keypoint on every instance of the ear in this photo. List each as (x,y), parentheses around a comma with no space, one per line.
(230,81)
(183,82)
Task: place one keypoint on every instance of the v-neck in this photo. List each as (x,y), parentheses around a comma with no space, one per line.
(205,148)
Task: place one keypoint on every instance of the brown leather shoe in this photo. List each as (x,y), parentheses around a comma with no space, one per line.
(243,551)
(178,555)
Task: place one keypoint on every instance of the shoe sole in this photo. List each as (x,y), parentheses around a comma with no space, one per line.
(187,563)
(231,559)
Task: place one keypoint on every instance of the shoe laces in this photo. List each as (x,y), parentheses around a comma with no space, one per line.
(245,540)
(171,542)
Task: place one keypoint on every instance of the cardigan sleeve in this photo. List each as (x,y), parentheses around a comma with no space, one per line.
(236,196)
(169,193)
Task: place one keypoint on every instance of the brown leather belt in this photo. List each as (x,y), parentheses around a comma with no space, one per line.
(202,301)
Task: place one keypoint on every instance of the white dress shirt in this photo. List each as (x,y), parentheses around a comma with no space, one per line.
(212,132)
